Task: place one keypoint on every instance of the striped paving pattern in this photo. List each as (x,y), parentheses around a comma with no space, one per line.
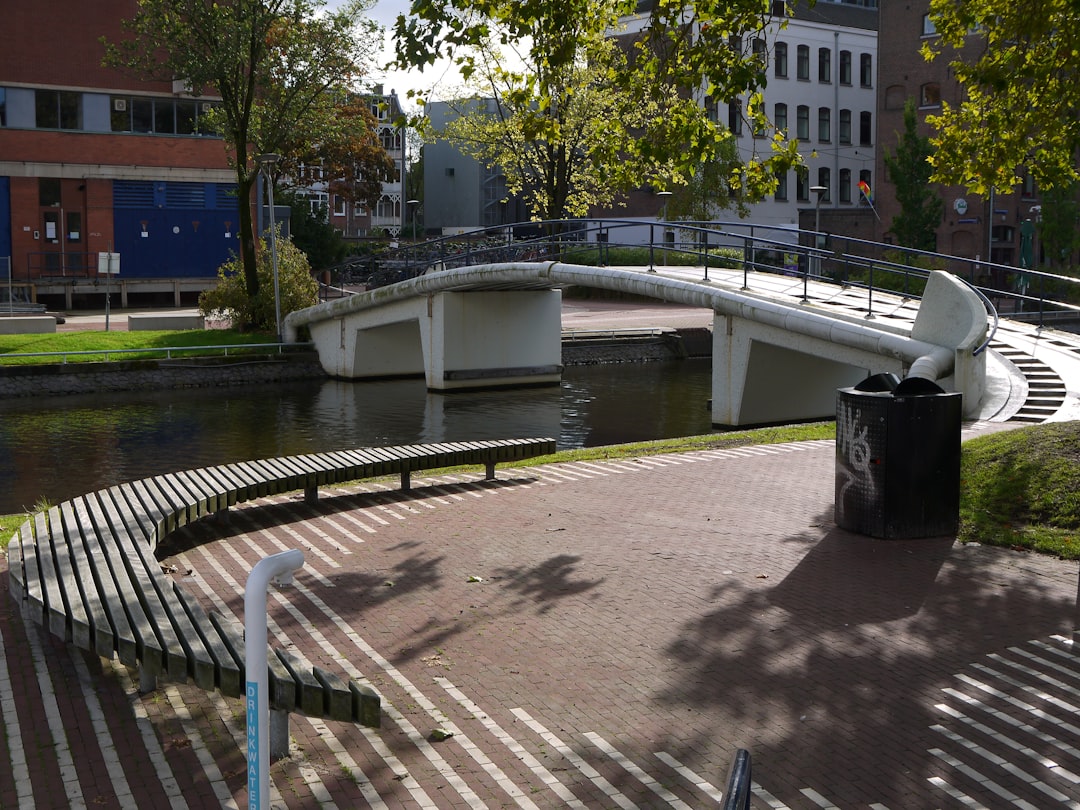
(77,733)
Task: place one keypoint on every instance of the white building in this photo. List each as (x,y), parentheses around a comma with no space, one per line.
(821,89)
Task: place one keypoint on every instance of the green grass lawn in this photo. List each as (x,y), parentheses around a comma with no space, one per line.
(1021,489)
(197,340)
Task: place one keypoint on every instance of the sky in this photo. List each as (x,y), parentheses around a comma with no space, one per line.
(438,76)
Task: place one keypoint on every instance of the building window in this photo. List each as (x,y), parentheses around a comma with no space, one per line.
(780,118)
(845,67)
(930,95)
(802,66)
(864,177)
(734,117)
(339,205)
(49,192)
(824,65)
(758,48)
(780,194)
(159,116)
(866,70)
(866,129)
(845,185)
(1027,187)
(802,186)
(928,27)
(57,109)
(780,63)
(823,180)
(824,124)
(802,123)
(845,127)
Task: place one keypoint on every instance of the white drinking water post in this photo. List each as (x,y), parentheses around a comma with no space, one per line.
(276,566)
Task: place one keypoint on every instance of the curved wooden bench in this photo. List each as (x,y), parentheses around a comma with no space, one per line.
(86,569)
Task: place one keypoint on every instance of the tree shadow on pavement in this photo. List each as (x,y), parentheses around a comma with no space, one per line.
(830,677)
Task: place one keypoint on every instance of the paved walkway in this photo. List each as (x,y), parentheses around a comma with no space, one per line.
(633,624)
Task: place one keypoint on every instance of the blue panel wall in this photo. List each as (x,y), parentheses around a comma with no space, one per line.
(174,230)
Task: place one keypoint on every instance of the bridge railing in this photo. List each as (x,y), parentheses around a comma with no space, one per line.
(810,255)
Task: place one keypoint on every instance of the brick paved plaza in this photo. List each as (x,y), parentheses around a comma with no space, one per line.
(635,623)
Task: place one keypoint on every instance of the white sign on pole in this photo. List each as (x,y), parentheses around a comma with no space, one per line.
(108,264)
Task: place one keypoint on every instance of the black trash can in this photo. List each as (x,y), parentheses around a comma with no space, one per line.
(898,458)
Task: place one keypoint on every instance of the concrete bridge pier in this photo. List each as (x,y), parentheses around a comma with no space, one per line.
(457,340)
(764,374)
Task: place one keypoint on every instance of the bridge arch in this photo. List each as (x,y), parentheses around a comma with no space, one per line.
(500,324)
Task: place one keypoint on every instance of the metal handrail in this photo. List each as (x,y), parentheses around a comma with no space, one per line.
(280,348)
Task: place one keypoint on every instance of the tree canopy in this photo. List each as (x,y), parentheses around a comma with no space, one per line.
(597,85)
(909,169)
(1019,65)
(280,67)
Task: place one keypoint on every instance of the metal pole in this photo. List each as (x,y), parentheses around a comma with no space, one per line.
(273,259)
(257,698)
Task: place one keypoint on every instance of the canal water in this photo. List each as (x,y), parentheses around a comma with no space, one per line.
(57,448)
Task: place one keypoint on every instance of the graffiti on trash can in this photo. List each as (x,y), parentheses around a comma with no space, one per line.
(853,454)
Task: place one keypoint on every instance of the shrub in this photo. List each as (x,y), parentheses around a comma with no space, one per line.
(297,289)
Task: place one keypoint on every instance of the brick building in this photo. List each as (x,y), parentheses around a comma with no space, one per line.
(95,161)
(972,226)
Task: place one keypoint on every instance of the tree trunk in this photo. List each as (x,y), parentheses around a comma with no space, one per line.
(247,235)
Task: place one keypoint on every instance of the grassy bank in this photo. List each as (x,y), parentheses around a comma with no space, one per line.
(1021,489)
(197,341)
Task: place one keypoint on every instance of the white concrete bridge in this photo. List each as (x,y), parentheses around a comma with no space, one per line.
(774,359)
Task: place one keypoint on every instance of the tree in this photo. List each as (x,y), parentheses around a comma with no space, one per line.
(279,67)
(312,232)
(611,118)
(562,150)
(1019,65)
(296,288)
(910,170)
(707,191)
(349,153)
(1057,224)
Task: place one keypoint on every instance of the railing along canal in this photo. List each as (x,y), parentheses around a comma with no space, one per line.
(167,352)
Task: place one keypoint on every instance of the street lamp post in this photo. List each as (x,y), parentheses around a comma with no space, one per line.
(265,162)
(819,192)
(665,196)
(414,205)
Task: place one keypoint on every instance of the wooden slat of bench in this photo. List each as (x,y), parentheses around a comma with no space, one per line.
(336,695)
(244,485)
(203,497)
(213,494)
(34,579)
(16,574)
(228,481)
(310,696)
(145,572)
(366,706)
(258,475)
(212,663)
(282,685)
(149,506)
(80,582)
(62,623)
(318,469)
(361,465)
(110,555)
(182,501)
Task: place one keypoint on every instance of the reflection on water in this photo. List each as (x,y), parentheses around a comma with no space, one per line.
(64,446)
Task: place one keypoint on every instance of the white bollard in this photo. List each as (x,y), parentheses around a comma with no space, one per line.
(255,646)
